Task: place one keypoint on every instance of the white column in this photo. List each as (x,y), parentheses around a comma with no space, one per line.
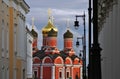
(72,72)
(63,73)
(53,72)
(81,71)
(41,72)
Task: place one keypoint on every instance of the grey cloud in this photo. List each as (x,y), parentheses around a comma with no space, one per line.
(74,4)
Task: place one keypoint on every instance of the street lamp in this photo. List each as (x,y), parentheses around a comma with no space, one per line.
(77,43)
(84,42)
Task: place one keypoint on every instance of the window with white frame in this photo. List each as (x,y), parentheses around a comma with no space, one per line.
(7,40)
(67,73)
(35,74)
(7,77)
(23,73)
(3,25)
(15,38)
(3,72)
(60,73)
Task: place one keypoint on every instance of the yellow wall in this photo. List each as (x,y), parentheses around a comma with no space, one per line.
(11,52)
(19,68)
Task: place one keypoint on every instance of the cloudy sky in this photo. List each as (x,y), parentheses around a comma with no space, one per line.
(61,11)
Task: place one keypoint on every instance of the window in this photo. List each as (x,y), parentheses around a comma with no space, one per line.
(3,72)
(7,55)
(15,38)
(3,38)
(35,74)
(60,74)
(67,74)
(23,73)
(7,77)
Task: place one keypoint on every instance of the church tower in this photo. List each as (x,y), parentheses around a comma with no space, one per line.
(35,37)
(49,33)
(52,37)
(68,41)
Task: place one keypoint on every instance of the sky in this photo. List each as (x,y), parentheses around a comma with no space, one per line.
(61,11)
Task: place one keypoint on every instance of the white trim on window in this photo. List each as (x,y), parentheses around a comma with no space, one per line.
(60,73)
(67,73)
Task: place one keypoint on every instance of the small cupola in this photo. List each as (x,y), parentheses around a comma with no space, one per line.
(68,39)
(68,34)
(33,32)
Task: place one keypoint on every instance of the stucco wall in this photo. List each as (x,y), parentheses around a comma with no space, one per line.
(109,39)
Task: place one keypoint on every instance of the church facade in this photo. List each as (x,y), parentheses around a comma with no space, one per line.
(51,63)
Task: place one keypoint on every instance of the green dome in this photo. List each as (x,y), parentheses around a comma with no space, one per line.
(34,33)
(68,34)
(52,33)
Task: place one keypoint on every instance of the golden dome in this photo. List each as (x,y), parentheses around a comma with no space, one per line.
(48,27)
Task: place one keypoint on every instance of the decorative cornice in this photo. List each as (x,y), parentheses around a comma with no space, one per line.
(24,5)
(21,15)
(104,7)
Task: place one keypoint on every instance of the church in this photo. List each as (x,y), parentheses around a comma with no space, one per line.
(51,63)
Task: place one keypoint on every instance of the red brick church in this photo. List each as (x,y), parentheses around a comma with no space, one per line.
(51,63)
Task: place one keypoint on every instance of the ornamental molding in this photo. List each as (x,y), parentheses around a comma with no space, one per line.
(104,7)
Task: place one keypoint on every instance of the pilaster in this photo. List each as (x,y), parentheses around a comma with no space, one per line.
(53,72)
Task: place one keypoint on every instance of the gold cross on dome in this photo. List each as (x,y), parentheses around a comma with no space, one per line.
(33,19)
(68,23)
(49,12)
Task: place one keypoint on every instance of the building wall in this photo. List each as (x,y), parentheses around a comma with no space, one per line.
(12,66)
(4,46)
(109,38)
(29,55)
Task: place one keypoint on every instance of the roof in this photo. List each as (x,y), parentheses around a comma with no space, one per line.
(52,33)
(48,27)
(34,33)
(41,54)
(68,34)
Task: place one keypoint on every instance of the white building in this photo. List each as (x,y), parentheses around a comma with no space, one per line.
(29,53)
(109,38)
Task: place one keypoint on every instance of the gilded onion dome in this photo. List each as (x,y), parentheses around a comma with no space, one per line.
(48,27)
(52,33)
(68,34)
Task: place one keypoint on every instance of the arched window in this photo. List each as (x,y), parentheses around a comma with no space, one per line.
(68,61)
(58,60)
(47,60)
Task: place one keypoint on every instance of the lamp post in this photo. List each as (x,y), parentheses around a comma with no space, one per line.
(95,59)
(84,42)
(89,36)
